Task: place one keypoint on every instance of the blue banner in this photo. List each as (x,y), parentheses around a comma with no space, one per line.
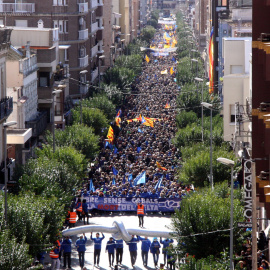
(130,204)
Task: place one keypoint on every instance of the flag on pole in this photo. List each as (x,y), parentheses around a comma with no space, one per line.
(163,72)
(160,167)
(91,186)
(211,62)
(118,121)
(158,185)
(119,113)
(172,70)
(113,181)
(148,122)
(115,172)
(115,150)
(147,59)
(167,106)
(110,135)
(140,179)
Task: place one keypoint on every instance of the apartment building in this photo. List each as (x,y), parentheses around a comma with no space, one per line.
(6,103)
(80,25)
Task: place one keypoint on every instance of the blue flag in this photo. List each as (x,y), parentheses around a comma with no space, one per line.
(139,130)
(147,108)
(158,185)
(115,172)
(140,179)
(130,177)
(91,186)
(113,181)
(115,150)
(139,149)
(173,59)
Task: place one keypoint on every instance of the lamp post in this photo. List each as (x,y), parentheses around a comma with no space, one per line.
(54,93)
(82,73)
(5,125)
(230,163)
(210,107)
(99,66)
(201,80)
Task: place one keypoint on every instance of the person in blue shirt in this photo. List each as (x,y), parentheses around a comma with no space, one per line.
(66,247)
(154,248)
(80,245)
(110,247)
(145,194)
(153,194)
(133,249)
(97,247)
(165,244)
(146,243)
(119,251)
(85,211)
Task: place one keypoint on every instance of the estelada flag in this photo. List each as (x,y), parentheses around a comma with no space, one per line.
(167,106)
(110,135)
(160,167)
(147,59)
(118,121)
(148,122)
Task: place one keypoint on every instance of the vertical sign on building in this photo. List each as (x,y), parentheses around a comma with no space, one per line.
(248,189)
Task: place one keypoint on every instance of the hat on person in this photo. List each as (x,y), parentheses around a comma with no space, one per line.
(155,238)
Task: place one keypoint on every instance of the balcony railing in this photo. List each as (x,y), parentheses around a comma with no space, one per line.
(84,62)
(15,8)
(94,51)
(93,4)
(28,65)
(83,34)
(38,124)
(6,107)
(94,27)
(83,7)
(94,75)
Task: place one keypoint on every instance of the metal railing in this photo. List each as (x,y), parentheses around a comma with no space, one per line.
(6,107)
(12,8)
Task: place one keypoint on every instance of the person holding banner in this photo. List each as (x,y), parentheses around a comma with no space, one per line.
(119,251)
(155,246)
(140,213)
(132,245)
(146,243)
(110,247)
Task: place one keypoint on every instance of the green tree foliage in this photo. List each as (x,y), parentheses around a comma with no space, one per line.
(147,33)
(35,220)
(75,161)
(121,77)
(14,255)
(101,102)
(79,136)
(113,93)
(202,213)
(153,23)
(135,47)
(132,62)
(184,118)
(91,117)
(196,168)
(49,178)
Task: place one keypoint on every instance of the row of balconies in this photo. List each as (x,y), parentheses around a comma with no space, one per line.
(6,107)
(17,8)
(28,65)
(83,7)
(38,124)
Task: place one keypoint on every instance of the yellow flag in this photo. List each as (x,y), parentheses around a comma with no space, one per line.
(147,59)
(164,71)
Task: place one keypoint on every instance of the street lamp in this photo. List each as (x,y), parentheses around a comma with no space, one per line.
(230,163)
(83,72)
(99,60)
(210,107)
(201,80)
(54,93)
(5,125)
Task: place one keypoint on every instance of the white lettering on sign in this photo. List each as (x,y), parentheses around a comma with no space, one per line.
(248,189)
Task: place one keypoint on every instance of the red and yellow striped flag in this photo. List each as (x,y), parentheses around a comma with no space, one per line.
(160,167)
(211,63)
(110,135)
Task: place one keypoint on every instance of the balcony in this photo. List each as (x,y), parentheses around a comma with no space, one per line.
(38,124)
(84,61)
(93,4)
(94,51)
(17,8)
(28,65)
(83,7)
(94,75)
(6,107)
(83,34)
(94,27)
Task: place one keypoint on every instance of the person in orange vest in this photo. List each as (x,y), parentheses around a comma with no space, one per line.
(140,213)
(79,209)
(54,255)
(72,217)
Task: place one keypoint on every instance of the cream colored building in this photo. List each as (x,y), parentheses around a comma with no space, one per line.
(237,91)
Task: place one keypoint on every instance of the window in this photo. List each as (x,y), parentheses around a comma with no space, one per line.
(232,111)
(21,23)
(60,2)
(44,79)
(62,25)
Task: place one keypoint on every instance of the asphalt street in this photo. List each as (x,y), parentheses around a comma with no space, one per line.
(156,223)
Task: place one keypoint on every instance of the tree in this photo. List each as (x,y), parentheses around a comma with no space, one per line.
(202,225)
(91,117)
(101,102)
(75,161)
(14,255)
(147,33)
(113,93)
(132,62)
(153,23)
(184,118)
(196,168)
(79,136)
(135,47)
